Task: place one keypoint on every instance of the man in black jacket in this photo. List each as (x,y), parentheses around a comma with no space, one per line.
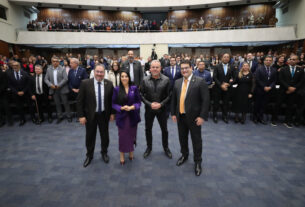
(4,107)
(155,93)
(190,107)
(224,75)
(291,80)
(134,68)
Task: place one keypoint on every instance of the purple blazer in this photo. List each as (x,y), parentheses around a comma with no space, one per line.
(133,99)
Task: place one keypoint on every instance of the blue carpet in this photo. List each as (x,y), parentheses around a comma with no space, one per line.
(243,166)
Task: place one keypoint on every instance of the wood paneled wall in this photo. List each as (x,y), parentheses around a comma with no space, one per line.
(223,13)
(4,48)
(92,15)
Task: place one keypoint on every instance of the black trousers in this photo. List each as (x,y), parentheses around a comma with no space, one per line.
(149,120)
(19,101)
(262,99)
(102,122)
(224,96)
(5,109)
(43,104)
(294,107)
(184,127)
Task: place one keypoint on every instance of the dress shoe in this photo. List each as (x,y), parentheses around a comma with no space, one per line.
(122,162)
(147,152)
(181,160)
(225,119)
(273,123)
(22,122)
(263,121)
(59,120)
(69,119)
(288,125)
(105,158)
(296,124)
(197,169)
(168,153)
(34,120)
(215,119)
(87,161)
(236,119)
(131,158)
(50,120)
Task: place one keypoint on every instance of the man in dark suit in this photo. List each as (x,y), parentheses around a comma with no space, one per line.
(189,107)
(94,108)
(75,76)
(251,61)
(172,72)
(88,64)
(40,94)
(291,80)
(155,94)
(265,78)
(165,62)
(134,68)
(4,107)
(19,82)
(224,75)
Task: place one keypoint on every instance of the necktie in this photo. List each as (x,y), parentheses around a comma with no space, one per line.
(17,75)
(268,71)
(292,71)
(99,110)
(225,69)
(38,85)
(173,75)
(75,72)
(182,97)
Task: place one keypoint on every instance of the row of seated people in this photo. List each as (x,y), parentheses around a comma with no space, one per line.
(262,82)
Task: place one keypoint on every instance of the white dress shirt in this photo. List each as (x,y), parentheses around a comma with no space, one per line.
(96,94)
(55,76)
(131,72)
(39,81)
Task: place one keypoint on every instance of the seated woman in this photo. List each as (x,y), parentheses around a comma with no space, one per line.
(126,102)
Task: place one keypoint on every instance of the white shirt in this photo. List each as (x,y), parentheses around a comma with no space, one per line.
(96,94)
(39,77)
(131,72)
(171,68)
(18,74)
(55,76)
(187,87)
(295,68)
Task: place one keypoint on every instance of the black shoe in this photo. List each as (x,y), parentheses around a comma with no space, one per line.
(255,120)
(263,121)
(236,120)
(34,120)
(168,153)
(197,169)
(22,122)
(69,119)
(288,125)
(59,120)
(50,120)
(273,123)
(215,119)
(225,119)
(105,158)
(296,124)
(147,152)
(87,161)
(181,160)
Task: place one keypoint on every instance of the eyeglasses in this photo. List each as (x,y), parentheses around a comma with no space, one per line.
(186,68)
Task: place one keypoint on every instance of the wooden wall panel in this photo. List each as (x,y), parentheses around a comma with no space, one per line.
(4,48)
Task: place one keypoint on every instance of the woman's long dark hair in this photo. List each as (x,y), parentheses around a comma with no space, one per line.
(122,96)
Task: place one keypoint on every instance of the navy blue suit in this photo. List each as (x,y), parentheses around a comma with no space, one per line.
(168,72)
(262,97)
(74,80)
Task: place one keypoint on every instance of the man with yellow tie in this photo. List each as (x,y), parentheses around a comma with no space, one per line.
(189,108)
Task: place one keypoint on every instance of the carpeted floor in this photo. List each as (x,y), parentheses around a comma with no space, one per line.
(243,166)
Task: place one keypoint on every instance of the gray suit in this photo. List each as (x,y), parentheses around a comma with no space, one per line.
(60,94)
(137,71)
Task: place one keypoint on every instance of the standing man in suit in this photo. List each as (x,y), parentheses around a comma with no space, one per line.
(172,72)
(88,63)
(265,78)
(251,61)
(203,73)
(189,108)
(155,93)
(291,80)
(134,68)
(57,80)
(223,76)
(19,82)
(94,108)
(4,102)
(75,76)
(40,93)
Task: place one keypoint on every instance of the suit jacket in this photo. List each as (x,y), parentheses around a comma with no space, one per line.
(3,83)
(91,64)
(167,71)
(253,66)
(133,98)
(22,85)
(137,69)
(86,100)
(62,80)
(261,78)
(286,80)
(197,99)
(45,87)
(220,77)
(75,80)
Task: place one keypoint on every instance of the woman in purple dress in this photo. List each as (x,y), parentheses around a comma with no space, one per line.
(126,102)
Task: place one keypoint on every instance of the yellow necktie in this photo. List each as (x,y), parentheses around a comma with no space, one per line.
(182,97)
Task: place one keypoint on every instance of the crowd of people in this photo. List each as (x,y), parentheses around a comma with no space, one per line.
(100,89)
